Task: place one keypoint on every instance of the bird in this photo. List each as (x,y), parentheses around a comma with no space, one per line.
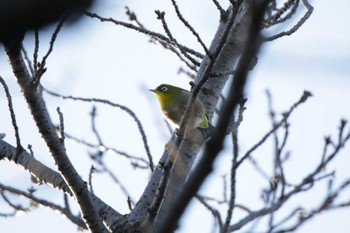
(173,101)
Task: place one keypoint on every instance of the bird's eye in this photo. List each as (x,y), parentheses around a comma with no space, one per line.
(164,89)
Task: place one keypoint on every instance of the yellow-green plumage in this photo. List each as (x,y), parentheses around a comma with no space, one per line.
(173,101)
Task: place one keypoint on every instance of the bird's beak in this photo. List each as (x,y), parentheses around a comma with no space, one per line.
(152,90)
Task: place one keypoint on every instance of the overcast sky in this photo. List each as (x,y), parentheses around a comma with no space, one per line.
(93,59)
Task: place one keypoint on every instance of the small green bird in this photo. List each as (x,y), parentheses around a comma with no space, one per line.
(173,101)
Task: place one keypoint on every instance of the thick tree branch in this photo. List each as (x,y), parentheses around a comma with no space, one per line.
(30,196)
(214,144)
(38,109)
(48,176)
(224,52)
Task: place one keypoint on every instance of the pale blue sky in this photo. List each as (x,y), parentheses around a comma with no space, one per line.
(101,60)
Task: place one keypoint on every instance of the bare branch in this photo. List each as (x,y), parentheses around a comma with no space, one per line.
(326,204)
(305,185)
(133,17)
(218,60)
(223,13)
(188,73)
(184,21)
(141,30)
(16,207)
(104,168)
(48,176)
(93,126)
(41,66)
(278,171)
(45,126)
(232,199)
(29,195)
(29,63)
(232,54)
(36,50)
(167,45)
(224,188)
(122,107)
(92,170)
(304,97)
(214,144)
(213,211)
(12,114)
(161,17)
(296,26)
(277,18)
(134,160)
(60,114)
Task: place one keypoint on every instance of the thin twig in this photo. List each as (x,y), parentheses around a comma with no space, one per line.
(12,114)
(142,30)
(161,17)
(224,188)
(277,19)
(214,145)
(41,68)
(60,114)
(121,186)
(159,38)
(278,171)
(296,26)
(130,204)
(36,50)
(189,74)
(259,169)
(104,168)
(133,159)
(64,211)
(303,98)
(327,204)
(305,185)
(291,12)
(29,63)
(206,75)
(16,207)
(122,107)
(213,211)
(184,21)
(133,17)
(223,13)
(92,170)
(232,200)
(93,126)
(33,97)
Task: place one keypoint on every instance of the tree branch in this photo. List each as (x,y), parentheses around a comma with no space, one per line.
(214,144)
(48,176)
(12,114)
(29,195)
(123,108)
(38,109)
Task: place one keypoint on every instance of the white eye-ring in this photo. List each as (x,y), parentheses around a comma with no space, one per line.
(164,89)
